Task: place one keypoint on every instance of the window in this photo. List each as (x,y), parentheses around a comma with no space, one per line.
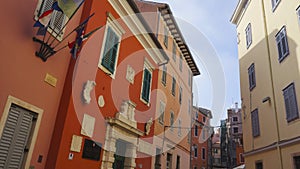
(234,119)
(297,162)
(251,75)
(111,48)
(58,19)
(169,161)
(298,13)
(235,129)
(290,101)
(275,4)
(203,119)
(248,35)
(180,95)
(157,159)
(189,79)
(161,112)
(179,127)
(164,75)
(203,153)
(174,51)
(203,134)
(189,106)
(173,86)
(282,44)
(196,115)
(146,85)
(255,123)
(195,167)
(258,165)
(180,63)
(196,131)
(178,162)
(195,151)
(171,120)
(242,160)
(166,36)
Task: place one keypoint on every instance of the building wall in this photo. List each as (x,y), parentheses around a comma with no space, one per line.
(23,74)
(272,77)
(201,141)
(114,91)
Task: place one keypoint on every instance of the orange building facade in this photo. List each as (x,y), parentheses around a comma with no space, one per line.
(106,114)
(30,88)
(174,98)
(201,135)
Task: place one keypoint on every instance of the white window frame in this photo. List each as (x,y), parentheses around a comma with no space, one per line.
(150,68)
(248,32)
(36,16)
(279,37)
(119,31)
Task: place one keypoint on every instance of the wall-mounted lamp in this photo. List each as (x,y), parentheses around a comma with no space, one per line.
(266,99)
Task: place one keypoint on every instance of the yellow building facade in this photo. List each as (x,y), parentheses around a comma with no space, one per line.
(268,35)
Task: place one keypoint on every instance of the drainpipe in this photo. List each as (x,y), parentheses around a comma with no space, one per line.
(272,82)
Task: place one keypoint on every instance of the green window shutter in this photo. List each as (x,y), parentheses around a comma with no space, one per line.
(110,50)
(146,85)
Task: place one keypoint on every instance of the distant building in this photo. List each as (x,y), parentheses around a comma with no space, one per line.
(216,151)
(268,48)
(201,135)
(235,137)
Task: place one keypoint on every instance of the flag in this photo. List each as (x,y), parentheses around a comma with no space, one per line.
(45,17)
(75,46)
(42,30)
(56,7)
(69,7)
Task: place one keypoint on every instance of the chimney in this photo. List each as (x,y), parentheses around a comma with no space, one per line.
(236,107)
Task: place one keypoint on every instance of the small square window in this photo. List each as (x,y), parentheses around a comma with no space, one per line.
(296,162)
(235,130)
(282,44)
(259,165)
(248,35)
(234,119)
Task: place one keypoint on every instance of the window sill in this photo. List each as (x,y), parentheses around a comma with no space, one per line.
(106,71)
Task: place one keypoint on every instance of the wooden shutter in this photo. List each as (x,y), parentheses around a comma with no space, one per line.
(46,5)
(14,138)
(255,123)
(146,85)
(290,100)
(110,50)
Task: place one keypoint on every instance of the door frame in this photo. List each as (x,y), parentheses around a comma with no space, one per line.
(13,100)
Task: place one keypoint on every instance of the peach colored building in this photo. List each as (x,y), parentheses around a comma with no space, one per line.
(200,135)
(268,49)
(30,88)
(174,99)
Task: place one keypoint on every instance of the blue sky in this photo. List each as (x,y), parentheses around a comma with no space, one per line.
(211,19)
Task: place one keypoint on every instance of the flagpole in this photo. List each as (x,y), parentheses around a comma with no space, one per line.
(67,23)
